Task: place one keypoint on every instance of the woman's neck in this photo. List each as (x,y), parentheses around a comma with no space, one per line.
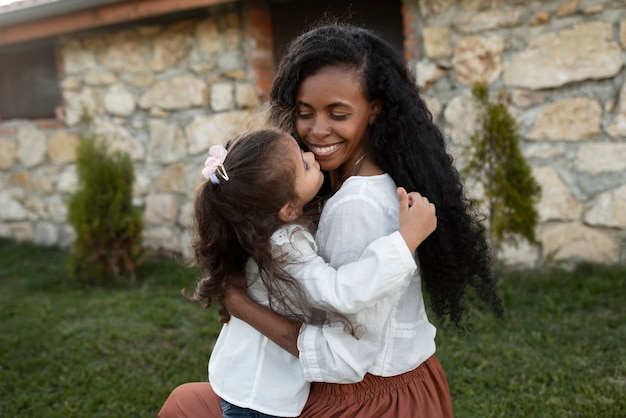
(363,165)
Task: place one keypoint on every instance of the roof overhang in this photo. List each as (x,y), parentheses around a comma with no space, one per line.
(30,20)
(26,11)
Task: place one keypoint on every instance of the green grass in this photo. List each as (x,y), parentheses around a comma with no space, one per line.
(561,352)
(66,351)
(117,352)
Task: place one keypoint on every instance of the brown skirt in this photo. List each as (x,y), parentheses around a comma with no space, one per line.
(422,393)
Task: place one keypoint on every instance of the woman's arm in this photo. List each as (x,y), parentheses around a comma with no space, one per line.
(281,330)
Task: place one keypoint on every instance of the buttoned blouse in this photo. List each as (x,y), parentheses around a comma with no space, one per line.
(396,335)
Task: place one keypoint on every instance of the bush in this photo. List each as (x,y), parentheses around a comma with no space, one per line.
(108,228)
(496,162)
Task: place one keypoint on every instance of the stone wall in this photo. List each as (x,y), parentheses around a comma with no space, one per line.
(162,93)
(561,66)
(165,92)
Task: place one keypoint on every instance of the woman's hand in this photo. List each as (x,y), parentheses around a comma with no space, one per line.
(418,218)
(235,293)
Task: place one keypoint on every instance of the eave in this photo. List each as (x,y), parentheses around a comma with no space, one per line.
(53,18)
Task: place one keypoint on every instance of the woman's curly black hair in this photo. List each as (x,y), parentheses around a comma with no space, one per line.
(407,145)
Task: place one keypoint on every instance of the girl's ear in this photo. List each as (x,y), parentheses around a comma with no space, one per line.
(288,213)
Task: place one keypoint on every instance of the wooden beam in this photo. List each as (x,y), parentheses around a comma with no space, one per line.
(97,17)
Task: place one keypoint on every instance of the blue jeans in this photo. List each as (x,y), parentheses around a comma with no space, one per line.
(233,411)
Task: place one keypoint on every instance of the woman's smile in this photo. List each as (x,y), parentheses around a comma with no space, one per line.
(322,151)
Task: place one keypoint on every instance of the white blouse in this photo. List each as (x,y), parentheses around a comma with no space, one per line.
(397,336)
(249,370)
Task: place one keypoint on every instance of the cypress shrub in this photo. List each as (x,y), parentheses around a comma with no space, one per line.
(494,160)
(108,228)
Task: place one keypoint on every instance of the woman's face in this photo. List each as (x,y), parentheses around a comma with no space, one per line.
(333,116)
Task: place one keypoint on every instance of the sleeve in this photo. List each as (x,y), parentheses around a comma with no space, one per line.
(382,267)
(330,354)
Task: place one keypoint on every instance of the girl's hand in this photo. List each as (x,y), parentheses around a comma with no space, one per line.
(417,218)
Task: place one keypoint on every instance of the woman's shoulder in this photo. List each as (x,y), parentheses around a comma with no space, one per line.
(362,196)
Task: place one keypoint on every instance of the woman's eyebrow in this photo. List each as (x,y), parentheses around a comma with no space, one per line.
(329,105)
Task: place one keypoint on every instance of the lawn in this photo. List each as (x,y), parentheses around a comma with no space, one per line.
(117,352)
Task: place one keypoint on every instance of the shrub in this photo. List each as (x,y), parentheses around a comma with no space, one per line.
(496,162)
(108,228)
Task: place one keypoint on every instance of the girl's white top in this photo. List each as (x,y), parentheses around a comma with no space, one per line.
(397,336)
(249,370)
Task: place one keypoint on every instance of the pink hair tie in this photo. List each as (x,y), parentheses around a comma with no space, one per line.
(214,164)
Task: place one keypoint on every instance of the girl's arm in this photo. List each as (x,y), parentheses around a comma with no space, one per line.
(345,358)
(381,268)
(417,221)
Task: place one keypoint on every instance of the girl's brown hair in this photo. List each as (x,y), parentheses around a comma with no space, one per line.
(235,219)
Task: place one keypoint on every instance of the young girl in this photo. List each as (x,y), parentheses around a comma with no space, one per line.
(249,217)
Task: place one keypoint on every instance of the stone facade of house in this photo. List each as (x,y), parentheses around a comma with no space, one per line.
(165,93)
(561,65)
